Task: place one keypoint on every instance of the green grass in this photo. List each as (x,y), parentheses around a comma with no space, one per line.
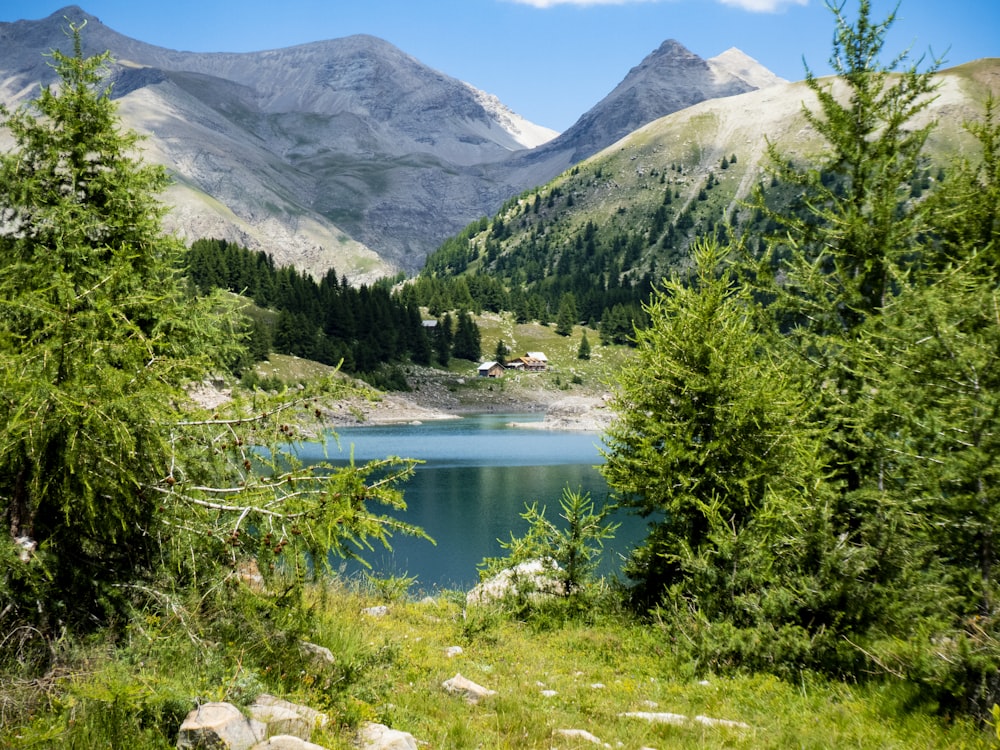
(390,669)
(551,671)
(291,369)
(597,373)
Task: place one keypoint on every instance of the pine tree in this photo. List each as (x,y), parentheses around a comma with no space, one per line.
(568,315)
(96,337)
(421,351)
(707,434)
(584,351)
(468,342)
(444,338)
(501,352)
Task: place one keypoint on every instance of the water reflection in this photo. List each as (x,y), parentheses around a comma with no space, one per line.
(477,476)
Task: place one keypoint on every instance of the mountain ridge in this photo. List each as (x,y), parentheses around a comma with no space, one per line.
(345,153)
(620,221)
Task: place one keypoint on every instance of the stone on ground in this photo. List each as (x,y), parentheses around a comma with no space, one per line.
(286,718)
(380,737)
(219,726)
(467,688)
(534,578)
(286,742)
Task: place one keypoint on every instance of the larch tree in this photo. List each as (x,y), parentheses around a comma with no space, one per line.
(849,247)
(111,479)
(934,370)
(96,335)
(707,435)
(852,242)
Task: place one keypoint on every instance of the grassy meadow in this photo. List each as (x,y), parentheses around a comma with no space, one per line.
(552,670)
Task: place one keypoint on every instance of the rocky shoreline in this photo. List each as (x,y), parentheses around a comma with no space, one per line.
(437,395)
(576,414)
(435,399)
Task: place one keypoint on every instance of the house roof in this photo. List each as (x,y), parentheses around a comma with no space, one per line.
(538,355)
(526,360)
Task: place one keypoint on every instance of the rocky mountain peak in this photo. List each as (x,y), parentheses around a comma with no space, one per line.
(345,152)
(667,80)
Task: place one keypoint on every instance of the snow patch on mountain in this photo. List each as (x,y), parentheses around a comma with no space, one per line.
(735,62)
(525,133)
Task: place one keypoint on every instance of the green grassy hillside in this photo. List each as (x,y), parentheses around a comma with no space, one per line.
(550,674)
(624,218)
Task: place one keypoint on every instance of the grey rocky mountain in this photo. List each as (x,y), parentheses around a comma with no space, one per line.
(669,79)
(346,153)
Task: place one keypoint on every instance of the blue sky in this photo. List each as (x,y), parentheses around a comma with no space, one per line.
(549,60)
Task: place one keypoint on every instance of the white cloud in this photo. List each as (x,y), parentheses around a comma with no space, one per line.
(763,6)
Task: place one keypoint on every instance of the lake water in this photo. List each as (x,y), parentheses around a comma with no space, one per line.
(478,474)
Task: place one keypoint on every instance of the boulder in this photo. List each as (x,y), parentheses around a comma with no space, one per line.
(318,656)
(286,742)
(532,578)
(280,720)
(286,718)
(380,737)
(472,692)
(580,734)
(670,718)
(219,726)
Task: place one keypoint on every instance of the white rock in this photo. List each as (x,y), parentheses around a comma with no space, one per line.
(379,611)
(380,737)
(669,718)
(319,655)
(281,721)
(453,651)
(661,717)
(219,725)
(533,578)
(286,718)
(286,742)
(467,688)
(315,718)
(709,721)
(579,734)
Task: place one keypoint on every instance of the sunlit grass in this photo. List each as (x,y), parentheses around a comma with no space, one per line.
(549,673)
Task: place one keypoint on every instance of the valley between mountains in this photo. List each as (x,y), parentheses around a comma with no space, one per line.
(347,153)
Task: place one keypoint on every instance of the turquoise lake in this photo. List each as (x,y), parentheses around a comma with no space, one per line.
(477,475)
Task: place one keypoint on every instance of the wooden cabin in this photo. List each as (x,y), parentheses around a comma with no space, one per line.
(530,363)
(491,370)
